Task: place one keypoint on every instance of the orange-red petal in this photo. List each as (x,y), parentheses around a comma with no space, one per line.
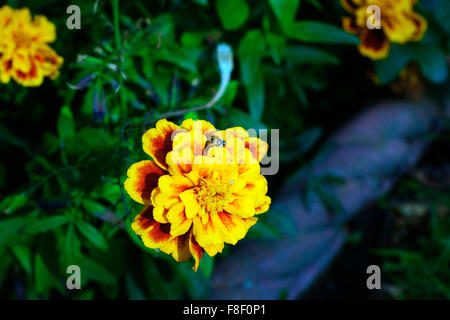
(196,251)
(374,44)
(142,179)
(157,142)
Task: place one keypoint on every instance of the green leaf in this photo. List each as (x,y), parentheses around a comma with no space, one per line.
(256,96)
(70,247)
(23,254)
(319,32)
(7,137)
(44,280)
(193,39)
(5,262)
(309,55)
(134,292)
(93,207)
(92,270)
(262,230)
(206,266)
(232,13)
(92,234)
(66,125)
(275,223)
(50,143)
(184,57)
(388,69)
(230,93)
(285,11)
(201,2)
(251,51)
(329,200)
(47,224)
(276,44)
(10,230)
(316,4)
(109,192)
(13,203)
(237,117)
(433,63)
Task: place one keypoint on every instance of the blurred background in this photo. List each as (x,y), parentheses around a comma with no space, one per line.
(364,173)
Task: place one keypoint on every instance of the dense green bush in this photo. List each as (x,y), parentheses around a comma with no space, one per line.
(66,145)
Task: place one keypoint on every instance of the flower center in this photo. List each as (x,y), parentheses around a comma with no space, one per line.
(22,39)
(212,194)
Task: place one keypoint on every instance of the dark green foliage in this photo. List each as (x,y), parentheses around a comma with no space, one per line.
(66,146)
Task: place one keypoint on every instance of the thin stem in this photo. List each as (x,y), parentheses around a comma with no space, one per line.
(115,4)
(116,14)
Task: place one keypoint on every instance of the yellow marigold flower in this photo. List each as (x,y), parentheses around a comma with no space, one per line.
(202,189)
(399,24)
(25,55)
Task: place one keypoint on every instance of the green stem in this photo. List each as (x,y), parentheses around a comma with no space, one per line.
(115,4)
(116,13)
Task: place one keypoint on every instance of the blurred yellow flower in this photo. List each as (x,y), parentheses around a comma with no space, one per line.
(25,55)
(202,190)
(398,21)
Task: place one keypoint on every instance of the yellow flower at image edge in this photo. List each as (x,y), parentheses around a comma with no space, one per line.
(399,24)
(198,194)
(25,55)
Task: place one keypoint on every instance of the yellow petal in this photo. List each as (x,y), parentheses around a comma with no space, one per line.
(241,206)
(179,224)
(264,207)
(232,228)
(191,204)
(174,185)
(206,234)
